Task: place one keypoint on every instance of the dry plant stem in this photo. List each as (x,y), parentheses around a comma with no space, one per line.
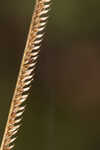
(26,73)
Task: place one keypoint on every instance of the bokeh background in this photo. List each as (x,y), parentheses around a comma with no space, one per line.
(63,109)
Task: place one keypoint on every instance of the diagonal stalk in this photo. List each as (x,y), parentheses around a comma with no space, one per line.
(26,73)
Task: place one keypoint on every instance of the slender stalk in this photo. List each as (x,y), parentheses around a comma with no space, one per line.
(26,73)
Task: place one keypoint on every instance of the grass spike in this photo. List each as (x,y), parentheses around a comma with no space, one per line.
(26,73)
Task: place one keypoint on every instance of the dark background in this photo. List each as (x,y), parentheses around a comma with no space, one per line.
(63,109)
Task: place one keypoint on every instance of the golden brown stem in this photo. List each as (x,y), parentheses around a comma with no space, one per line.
(26,73)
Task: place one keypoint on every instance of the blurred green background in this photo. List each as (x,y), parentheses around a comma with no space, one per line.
(63,109)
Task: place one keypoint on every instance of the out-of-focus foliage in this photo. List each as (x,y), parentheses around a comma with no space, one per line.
(63,110)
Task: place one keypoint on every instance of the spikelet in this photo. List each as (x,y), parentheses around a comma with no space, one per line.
(26,73)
